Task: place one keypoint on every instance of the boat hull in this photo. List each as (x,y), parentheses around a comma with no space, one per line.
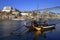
(48,28)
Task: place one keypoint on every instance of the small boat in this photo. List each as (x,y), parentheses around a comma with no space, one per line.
(18,19)
(40,28)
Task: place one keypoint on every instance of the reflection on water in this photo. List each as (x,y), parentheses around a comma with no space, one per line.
(41,34)
(6,27)
(37,33)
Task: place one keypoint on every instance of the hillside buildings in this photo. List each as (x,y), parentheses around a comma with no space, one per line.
(9,13)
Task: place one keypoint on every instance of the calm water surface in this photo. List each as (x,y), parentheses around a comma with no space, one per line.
(22,33)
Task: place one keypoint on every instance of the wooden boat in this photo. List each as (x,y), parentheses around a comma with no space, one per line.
(40,28)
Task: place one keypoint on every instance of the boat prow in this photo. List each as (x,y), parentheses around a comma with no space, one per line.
(38,28)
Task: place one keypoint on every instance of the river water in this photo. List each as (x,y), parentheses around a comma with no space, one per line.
(15,30)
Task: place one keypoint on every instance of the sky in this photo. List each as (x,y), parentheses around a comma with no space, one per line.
(30,4)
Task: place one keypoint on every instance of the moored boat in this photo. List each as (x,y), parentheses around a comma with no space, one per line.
(40,28)
(18,19)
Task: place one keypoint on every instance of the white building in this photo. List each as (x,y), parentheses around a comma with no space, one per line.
(16,13)
(24,14)
(7,9)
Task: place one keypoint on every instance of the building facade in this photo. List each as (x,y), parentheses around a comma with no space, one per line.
(7,9)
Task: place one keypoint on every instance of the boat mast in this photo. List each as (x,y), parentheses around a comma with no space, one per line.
(38,12)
